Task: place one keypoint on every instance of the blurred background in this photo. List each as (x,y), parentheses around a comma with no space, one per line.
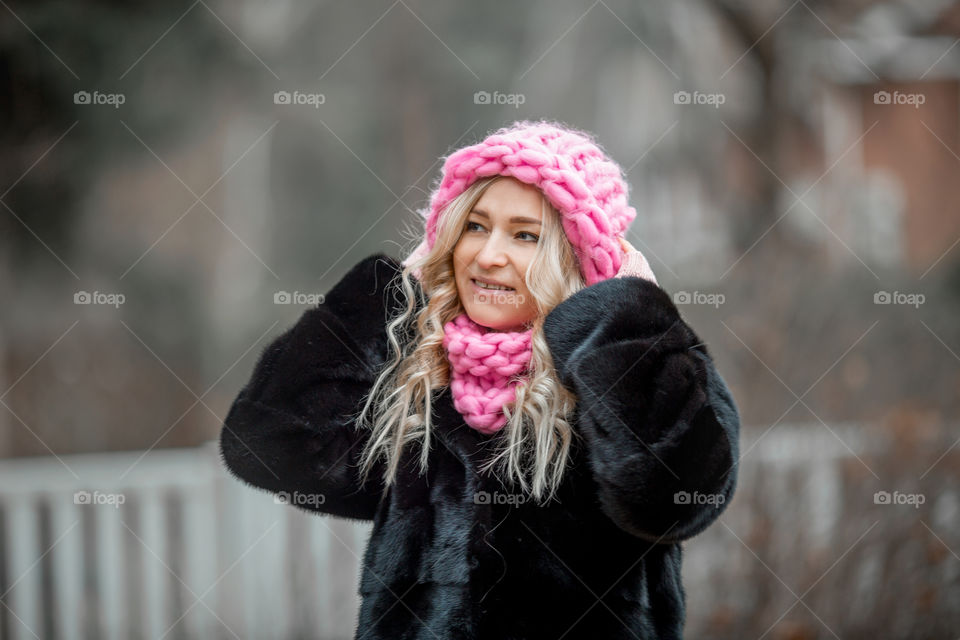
(170,170)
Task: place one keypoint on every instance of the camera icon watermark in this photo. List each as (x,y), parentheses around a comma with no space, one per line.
(297,297)
(685,497)
(699,297)
(711,99)
(99,498)
(99,297)
(485,97)
(498,497)
(898,297)
(496,296)
(298,97)
(913,499)
(911,99)
(299,499)
(97,98)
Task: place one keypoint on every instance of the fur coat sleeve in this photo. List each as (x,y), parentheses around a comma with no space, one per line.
(660,426)
(291,428)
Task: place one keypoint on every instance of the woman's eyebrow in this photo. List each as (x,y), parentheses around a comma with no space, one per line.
(484,214)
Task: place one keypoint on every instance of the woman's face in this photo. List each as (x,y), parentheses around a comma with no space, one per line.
(496,246)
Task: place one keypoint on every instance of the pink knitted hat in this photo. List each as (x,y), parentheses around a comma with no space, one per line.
(572,171)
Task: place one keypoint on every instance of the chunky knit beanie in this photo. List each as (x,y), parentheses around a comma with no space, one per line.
(575,175)
(589,191)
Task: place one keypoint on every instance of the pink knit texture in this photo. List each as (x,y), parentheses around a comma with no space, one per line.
(486,367)
(634,264)
(575,175)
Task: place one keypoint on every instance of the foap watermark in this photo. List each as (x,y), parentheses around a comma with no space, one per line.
(699,297)
(899,297)
(496,296)
(912,99)
(712,99)
(913,499)
(297,297)
(97,98)
(685,497)
(497,497)
(99,297)
(299,97)
(485,97)
(300,499)
(99,498)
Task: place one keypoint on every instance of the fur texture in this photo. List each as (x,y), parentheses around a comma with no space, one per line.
(454,554)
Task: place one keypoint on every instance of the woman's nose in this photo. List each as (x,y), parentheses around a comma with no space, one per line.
(492,254)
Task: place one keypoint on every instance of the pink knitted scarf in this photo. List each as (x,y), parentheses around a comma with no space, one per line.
(487,366)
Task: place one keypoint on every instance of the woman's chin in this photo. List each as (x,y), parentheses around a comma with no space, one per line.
(496,322)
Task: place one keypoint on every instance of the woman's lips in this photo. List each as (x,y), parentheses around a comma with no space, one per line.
(478,288)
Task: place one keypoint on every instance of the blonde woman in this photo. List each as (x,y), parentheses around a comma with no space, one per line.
(517,406)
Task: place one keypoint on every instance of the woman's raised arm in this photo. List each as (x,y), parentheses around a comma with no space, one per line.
(291,428)
(661,427)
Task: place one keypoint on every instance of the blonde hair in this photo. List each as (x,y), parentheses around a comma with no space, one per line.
(538,433)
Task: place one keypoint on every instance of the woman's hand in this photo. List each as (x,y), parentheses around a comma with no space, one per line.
(634,264)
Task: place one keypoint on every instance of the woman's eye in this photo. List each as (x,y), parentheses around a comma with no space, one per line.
(479,227)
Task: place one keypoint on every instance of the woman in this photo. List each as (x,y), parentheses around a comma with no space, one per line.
(517,406)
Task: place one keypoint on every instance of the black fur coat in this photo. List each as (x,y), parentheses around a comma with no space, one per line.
(453,554)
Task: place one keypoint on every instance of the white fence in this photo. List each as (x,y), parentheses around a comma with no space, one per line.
(193,553)
(166,545)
